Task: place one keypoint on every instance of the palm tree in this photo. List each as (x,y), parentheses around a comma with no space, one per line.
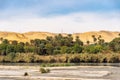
(94,38)
(70,37)
(1,39)
(22,43)
(88,42)
(14,42)
(32,42)
(119,34)
(27,44)
(99,37)
(101,41)
(49,38)
(78,41)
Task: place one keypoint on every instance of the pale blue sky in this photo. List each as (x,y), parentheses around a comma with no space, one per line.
(59,15)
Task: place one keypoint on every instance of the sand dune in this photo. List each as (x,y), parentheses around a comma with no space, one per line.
(24,37)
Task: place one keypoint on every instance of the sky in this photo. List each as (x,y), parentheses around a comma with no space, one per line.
(59,16)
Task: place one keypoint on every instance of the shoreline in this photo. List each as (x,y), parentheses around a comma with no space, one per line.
(61,67)
(68,73)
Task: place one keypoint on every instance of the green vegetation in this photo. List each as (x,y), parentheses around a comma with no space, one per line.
(43,70)
(115,44)
(94,49)
(60,49)
(64,59)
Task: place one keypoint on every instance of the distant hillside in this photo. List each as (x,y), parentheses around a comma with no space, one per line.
(26,37)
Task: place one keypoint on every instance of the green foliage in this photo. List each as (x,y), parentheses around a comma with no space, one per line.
(78,41)
(56,52)
(19,48)
(49,48)
(37,42)
(64,49)
(101,41)
(10,48)
(94,38)
(115,45)
(69,50)
(61,60)
(9,57)
(14,42)
(3,47)
(94,48)
(74,59)
(77,48)
(29,49)
(43,70)
(5,41)
(59,45)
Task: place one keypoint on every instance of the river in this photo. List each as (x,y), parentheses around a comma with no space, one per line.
(82,71)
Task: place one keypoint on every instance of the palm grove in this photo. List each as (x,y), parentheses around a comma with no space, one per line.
(57,46)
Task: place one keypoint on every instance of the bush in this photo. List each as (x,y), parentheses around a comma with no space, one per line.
(23,57)
(77,48)
(94,48)
(56,51)
(43,70)
(115,45)
(74,59)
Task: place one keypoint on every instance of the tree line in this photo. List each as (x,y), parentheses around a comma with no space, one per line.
(60,44)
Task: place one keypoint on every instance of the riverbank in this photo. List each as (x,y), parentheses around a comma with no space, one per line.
(57,73)
(38,67)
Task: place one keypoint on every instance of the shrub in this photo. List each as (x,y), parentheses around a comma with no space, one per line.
(74,59)
(77,48)
(56,51)
(115,45)
(43,70)
(94,48)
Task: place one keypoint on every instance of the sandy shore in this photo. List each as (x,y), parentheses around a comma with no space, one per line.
(57,73)
(38,67)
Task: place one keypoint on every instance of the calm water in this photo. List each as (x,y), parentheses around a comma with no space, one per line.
(114,70)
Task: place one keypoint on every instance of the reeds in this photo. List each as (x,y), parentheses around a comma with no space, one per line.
(63,58)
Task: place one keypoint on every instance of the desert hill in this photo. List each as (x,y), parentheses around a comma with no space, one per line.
(26,37)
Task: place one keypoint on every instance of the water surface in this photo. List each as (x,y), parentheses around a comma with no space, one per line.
(82,71)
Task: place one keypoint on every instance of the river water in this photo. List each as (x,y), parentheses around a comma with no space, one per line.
(82,71)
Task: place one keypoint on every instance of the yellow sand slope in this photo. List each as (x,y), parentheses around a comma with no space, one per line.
(24,37)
